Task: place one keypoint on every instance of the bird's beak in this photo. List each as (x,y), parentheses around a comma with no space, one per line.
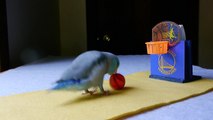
(113,72)
(116,70)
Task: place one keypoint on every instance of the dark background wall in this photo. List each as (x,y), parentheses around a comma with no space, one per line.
(73,34)
(33,30)
(205,34)
(4,57)
(205,42)
(33,27)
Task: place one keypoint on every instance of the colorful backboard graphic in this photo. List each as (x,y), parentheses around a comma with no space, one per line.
(166,31)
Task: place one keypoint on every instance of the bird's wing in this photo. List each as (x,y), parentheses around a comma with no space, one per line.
(83,65)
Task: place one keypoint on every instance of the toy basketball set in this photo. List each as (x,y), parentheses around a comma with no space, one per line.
(170,53)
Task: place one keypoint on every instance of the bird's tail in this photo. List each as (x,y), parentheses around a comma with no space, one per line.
(65,84)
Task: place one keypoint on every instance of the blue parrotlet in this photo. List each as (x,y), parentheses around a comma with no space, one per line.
(87,71)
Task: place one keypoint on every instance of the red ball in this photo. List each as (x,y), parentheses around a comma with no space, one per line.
(117,81)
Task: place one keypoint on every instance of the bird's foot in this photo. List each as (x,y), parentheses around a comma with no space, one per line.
(89,92)
(106,92)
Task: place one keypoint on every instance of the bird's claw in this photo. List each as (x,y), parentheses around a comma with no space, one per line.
(92,92)
(106,92)
(89,92)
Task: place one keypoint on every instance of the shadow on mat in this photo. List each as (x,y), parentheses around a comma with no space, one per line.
(88,98)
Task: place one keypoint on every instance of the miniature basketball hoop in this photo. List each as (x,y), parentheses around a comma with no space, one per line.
(170,53)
